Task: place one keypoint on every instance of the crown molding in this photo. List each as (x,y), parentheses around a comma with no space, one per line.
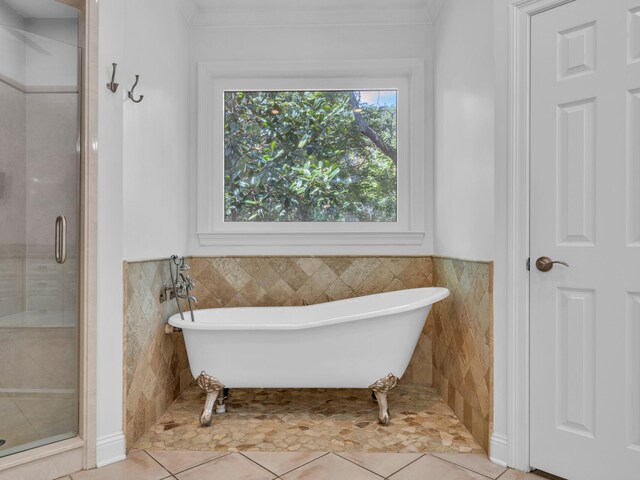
(433,9)
(247,13)
(189,10)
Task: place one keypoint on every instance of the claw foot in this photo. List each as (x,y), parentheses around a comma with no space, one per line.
(380,390)
(212,386)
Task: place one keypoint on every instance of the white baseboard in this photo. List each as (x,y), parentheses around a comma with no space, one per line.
(499,449)
(110,449)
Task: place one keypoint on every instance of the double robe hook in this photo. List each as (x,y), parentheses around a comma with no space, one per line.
(113,86)
(130,93)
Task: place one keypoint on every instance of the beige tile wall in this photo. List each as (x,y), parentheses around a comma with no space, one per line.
(461,330)
(157,367)
(156,364)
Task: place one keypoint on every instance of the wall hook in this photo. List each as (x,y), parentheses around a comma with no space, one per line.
(132,89)
(112,85)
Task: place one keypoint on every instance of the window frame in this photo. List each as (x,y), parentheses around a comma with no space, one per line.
(404,75)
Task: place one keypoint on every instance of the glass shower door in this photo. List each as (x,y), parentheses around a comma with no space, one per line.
(39,234)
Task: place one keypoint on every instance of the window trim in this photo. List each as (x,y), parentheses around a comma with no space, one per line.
(404,75)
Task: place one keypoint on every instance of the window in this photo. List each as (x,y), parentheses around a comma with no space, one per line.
(311,153)
(310,156)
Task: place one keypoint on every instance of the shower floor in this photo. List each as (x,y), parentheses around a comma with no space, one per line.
(313,420)
(27,423)
(37,387)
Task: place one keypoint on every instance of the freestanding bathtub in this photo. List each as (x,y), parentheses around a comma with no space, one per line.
(354,343)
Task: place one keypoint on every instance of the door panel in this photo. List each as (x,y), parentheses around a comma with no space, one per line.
(633,26)
(576,173)
(577,51)
(585,210)
(633,370)
(633,169)
(575,357)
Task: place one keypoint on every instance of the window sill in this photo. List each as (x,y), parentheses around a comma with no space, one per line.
(313,239)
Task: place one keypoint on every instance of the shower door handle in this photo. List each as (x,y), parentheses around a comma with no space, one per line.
(61,239)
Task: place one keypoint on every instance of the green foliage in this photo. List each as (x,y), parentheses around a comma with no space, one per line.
(300,157)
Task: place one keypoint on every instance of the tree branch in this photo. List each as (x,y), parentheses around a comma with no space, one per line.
(368,132)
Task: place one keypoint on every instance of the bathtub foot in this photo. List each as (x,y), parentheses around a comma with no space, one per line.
(212,386)
(380,390)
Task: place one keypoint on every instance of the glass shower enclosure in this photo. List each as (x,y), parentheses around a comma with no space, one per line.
(39,219)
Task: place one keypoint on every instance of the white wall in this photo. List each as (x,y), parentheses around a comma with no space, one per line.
(500,320)
(156,131)
(110,437)
(464,130)
(142,197)
(312,42)
(471,159)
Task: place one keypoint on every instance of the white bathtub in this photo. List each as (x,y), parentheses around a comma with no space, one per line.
(345,343)
(348,343)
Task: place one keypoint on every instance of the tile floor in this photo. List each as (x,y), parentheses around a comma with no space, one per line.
(313,420)
(36,359)
(190,465)
(39,370)
(23,421)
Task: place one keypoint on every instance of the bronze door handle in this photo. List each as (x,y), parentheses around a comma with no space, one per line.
(544,264)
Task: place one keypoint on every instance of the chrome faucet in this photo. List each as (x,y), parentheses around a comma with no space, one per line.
(189,298)
(180,286)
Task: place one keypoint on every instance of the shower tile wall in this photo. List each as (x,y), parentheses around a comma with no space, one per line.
(12,199)
(156,364)
(52,190)
(38,166)
(461,329)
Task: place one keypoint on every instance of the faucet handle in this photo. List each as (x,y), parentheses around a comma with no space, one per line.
(181,288)
(190,284)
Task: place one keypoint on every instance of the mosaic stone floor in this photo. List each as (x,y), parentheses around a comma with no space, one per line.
(313,420)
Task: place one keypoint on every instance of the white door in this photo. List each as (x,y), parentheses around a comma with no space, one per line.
(585,211)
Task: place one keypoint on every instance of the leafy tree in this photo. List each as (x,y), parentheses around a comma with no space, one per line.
(303,156)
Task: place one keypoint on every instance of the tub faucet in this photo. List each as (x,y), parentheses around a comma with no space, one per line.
(189,298)
(180,286)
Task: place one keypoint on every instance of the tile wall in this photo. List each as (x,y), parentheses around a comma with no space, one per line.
(52,179)
(157,366)
(461,330)
(13,200)
(38,181)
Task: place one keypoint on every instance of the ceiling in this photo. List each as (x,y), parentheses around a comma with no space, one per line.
(42,9)
(311,3)
(269,12)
